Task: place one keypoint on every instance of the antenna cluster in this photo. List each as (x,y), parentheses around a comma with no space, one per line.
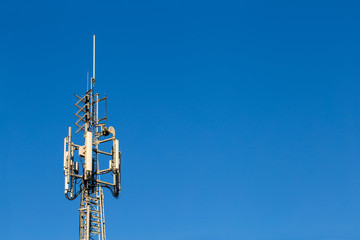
(83,175)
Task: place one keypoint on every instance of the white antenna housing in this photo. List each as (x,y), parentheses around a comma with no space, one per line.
(115,155)
(88,154)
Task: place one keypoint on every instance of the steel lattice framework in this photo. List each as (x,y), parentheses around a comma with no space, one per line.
(87,181)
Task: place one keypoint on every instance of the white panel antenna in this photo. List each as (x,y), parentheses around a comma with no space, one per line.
(88,155)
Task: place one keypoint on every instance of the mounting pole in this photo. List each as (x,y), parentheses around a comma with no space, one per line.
(94,56)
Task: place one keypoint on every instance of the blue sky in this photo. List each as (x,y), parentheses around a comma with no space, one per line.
(236,119)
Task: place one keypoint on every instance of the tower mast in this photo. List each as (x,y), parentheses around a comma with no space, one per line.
(87,181)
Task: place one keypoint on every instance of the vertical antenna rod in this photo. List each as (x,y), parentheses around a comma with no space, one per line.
(94,56)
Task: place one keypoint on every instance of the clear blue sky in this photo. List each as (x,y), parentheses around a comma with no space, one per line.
(238,120)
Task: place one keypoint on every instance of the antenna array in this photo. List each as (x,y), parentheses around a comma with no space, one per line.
(86,181)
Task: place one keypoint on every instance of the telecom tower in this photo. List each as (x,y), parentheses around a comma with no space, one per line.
(85,180)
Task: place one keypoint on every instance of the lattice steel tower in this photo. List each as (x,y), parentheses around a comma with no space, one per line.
(85,180)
